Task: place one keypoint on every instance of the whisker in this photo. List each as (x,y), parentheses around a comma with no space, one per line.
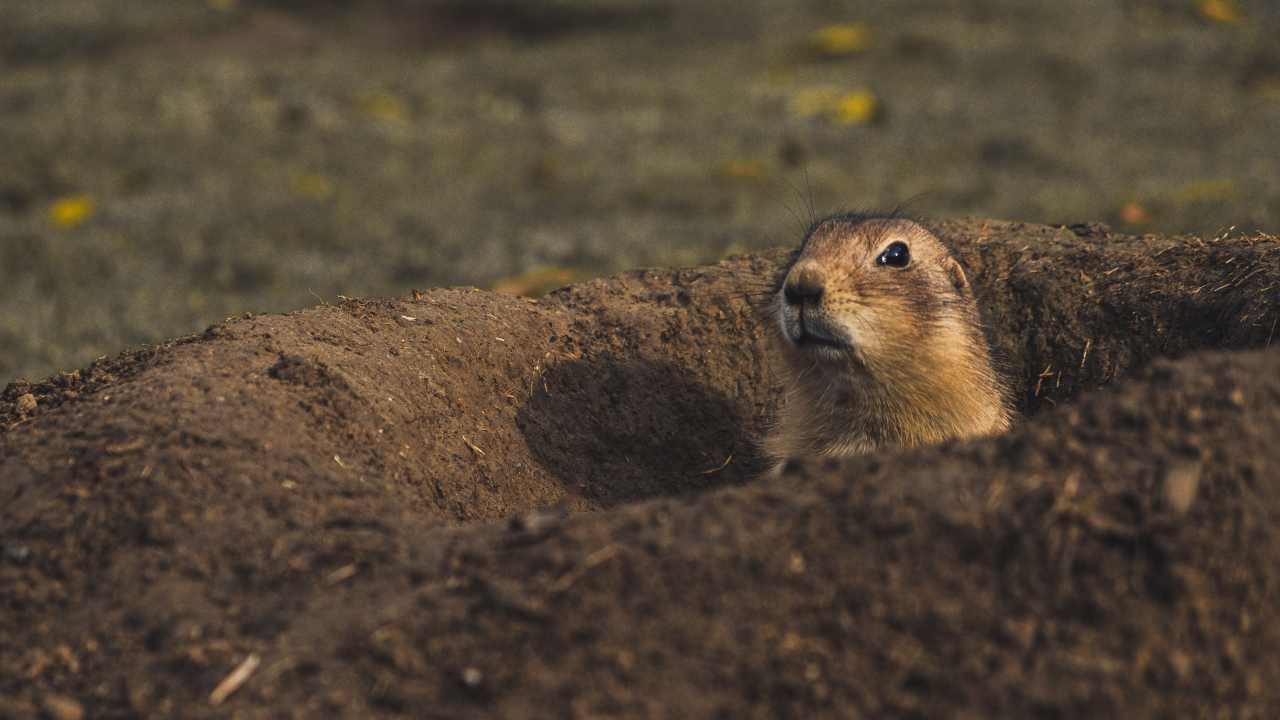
(795,216)
(903,208)
(813,213)
(813,364)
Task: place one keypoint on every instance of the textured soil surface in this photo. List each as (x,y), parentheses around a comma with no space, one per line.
(166,164)
(467,504)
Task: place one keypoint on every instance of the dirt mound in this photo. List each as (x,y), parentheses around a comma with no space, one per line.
(377,499)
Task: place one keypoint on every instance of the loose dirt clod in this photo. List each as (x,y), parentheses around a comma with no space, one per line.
(1180,486)
(26,403)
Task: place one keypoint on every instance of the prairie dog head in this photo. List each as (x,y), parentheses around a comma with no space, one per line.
(872,293)
(883,343)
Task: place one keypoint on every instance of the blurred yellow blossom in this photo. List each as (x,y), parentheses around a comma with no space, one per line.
(1133,213)
(745,169)
(312,185)
(857,107)
(71,211)
(386,107)
(223,5)
(1224,11)
(837,40)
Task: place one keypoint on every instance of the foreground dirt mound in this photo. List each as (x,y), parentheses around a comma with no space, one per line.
(376,500)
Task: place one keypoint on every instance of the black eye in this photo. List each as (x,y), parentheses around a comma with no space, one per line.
(896,255)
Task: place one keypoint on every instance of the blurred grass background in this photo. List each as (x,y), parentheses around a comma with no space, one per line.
(167,163)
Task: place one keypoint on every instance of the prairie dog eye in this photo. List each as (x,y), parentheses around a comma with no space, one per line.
(896,255)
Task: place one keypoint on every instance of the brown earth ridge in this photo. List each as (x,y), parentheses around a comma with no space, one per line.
(379,500)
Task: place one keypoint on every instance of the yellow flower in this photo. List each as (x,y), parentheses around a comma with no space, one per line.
(71,211)
(223,5)
(746,169)
(1133,213)
(386,107)
(855,108)
(1223,11)
(837,40)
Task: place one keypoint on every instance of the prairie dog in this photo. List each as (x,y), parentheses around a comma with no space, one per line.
(882,343)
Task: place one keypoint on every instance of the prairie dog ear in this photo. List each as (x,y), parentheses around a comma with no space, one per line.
(956,275)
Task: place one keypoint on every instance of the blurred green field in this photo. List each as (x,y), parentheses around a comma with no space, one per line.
(166,163)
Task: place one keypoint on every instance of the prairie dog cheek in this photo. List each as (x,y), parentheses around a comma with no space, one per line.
(865,336)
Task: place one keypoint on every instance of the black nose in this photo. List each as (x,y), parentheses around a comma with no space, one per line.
(798,290)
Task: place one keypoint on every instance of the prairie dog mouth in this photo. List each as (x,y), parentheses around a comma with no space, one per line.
(809,338)
(805,332)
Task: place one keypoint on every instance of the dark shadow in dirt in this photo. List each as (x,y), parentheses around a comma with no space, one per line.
(617,431)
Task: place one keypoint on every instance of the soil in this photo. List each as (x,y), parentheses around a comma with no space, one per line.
(467,504)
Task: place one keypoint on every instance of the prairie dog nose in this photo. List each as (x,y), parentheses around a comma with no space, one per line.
(803,284)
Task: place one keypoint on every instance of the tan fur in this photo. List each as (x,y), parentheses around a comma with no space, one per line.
(912,368)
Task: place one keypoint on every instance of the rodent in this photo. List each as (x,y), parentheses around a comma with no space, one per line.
(882,344)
